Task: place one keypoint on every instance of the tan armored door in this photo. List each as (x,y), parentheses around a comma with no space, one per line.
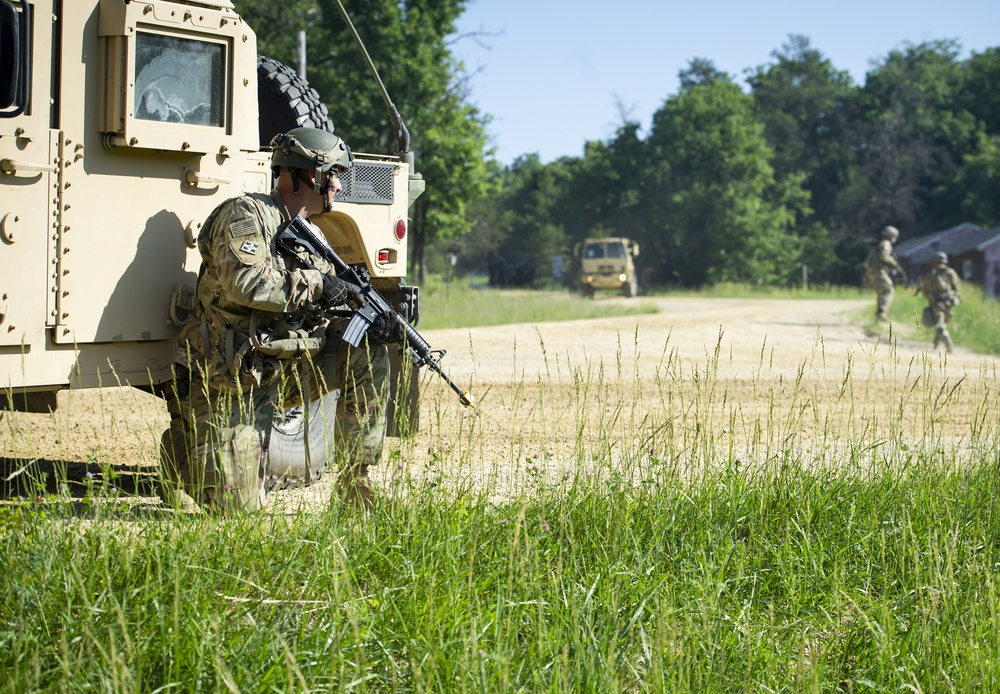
(25,236)
(27,188)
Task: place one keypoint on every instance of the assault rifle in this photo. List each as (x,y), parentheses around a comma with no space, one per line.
(899,273)
(368,304)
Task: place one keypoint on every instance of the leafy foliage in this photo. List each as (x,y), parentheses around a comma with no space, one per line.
(802,169)
(407,41)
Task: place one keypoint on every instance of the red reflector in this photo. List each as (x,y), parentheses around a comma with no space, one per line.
(383,256)
(400,229)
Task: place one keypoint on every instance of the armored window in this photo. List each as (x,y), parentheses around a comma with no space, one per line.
(179,80)
(616,249)
(595,250)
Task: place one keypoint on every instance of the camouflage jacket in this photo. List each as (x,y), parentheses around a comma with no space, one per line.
(247,293)
(939,284)
(881,259)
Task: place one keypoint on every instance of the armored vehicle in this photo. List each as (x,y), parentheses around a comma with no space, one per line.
(606,264)
(122,125)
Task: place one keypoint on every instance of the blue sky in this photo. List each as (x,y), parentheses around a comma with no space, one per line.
(555,74)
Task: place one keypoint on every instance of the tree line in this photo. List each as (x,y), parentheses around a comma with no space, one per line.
(799,166)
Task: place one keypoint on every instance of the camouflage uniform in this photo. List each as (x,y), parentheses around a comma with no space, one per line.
(251,342)
(878,268)
(939,284)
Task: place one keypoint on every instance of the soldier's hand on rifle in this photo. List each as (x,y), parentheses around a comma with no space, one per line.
(336,291)
(383,329)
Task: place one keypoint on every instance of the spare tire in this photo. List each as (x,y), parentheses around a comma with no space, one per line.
(286,101)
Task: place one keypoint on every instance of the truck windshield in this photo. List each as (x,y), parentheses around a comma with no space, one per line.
(616,249)
(179,80)
(594,250)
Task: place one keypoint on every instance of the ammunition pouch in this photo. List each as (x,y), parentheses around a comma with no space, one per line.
(280,340)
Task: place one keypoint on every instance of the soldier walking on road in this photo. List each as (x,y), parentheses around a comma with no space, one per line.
(880,266)
(939,285)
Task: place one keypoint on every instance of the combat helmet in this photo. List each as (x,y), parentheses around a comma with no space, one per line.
(940,258)
(890,233)
(310,149)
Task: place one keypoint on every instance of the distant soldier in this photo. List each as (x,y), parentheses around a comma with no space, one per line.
(939,285)
(880,266)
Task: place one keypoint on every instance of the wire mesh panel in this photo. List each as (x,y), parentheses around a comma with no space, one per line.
(368,182)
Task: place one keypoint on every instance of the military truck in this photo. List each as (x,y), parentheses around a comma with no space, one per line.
(606,264)
(122,125)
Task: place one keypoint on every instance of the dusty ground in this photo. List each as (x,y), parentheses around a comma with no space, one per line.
(751,376)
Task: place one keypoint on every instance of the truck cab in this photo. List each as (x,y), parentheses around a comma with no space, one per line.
(606,264)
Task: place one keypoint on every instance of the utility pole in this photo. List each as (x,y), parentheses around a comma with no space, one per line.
(301,47)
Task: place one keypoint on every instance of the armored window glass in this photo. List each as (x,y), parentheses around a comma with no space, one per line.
(595,250)
(179,80)
(616,250)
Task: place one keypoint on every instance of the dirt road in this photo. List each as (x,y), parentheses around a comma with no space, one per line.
(742,373)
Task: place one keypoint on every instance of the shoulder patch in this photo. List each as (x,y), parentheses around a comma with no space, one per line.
(242,226)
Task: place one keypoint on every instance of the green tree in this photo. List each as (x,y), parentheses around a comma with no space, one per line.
(408,42)
(981,182)
(803,102)
(913,136)
(719,213)
(980,95)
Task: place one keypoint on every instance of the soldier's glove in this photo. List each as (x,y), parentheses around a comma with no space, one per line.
(335,291)
(383,330)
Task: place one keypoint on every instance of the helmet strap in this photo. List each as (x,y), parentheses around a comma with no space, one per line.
(299,175)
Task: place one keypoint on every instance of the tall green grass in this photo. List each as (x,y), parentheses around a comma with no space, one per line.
(783,579)
(676,531)
(734,290)
(459,306)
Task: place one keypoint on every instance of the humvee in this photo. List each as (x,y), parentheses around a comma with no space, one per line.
(606,264)
(122,125)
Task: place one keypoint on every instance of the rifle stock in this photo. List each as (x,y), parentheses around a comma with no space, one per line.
(369,303)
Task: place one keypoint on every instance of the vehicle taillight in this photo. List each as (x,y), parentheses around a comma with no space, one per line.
(383,256)
(400,229)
